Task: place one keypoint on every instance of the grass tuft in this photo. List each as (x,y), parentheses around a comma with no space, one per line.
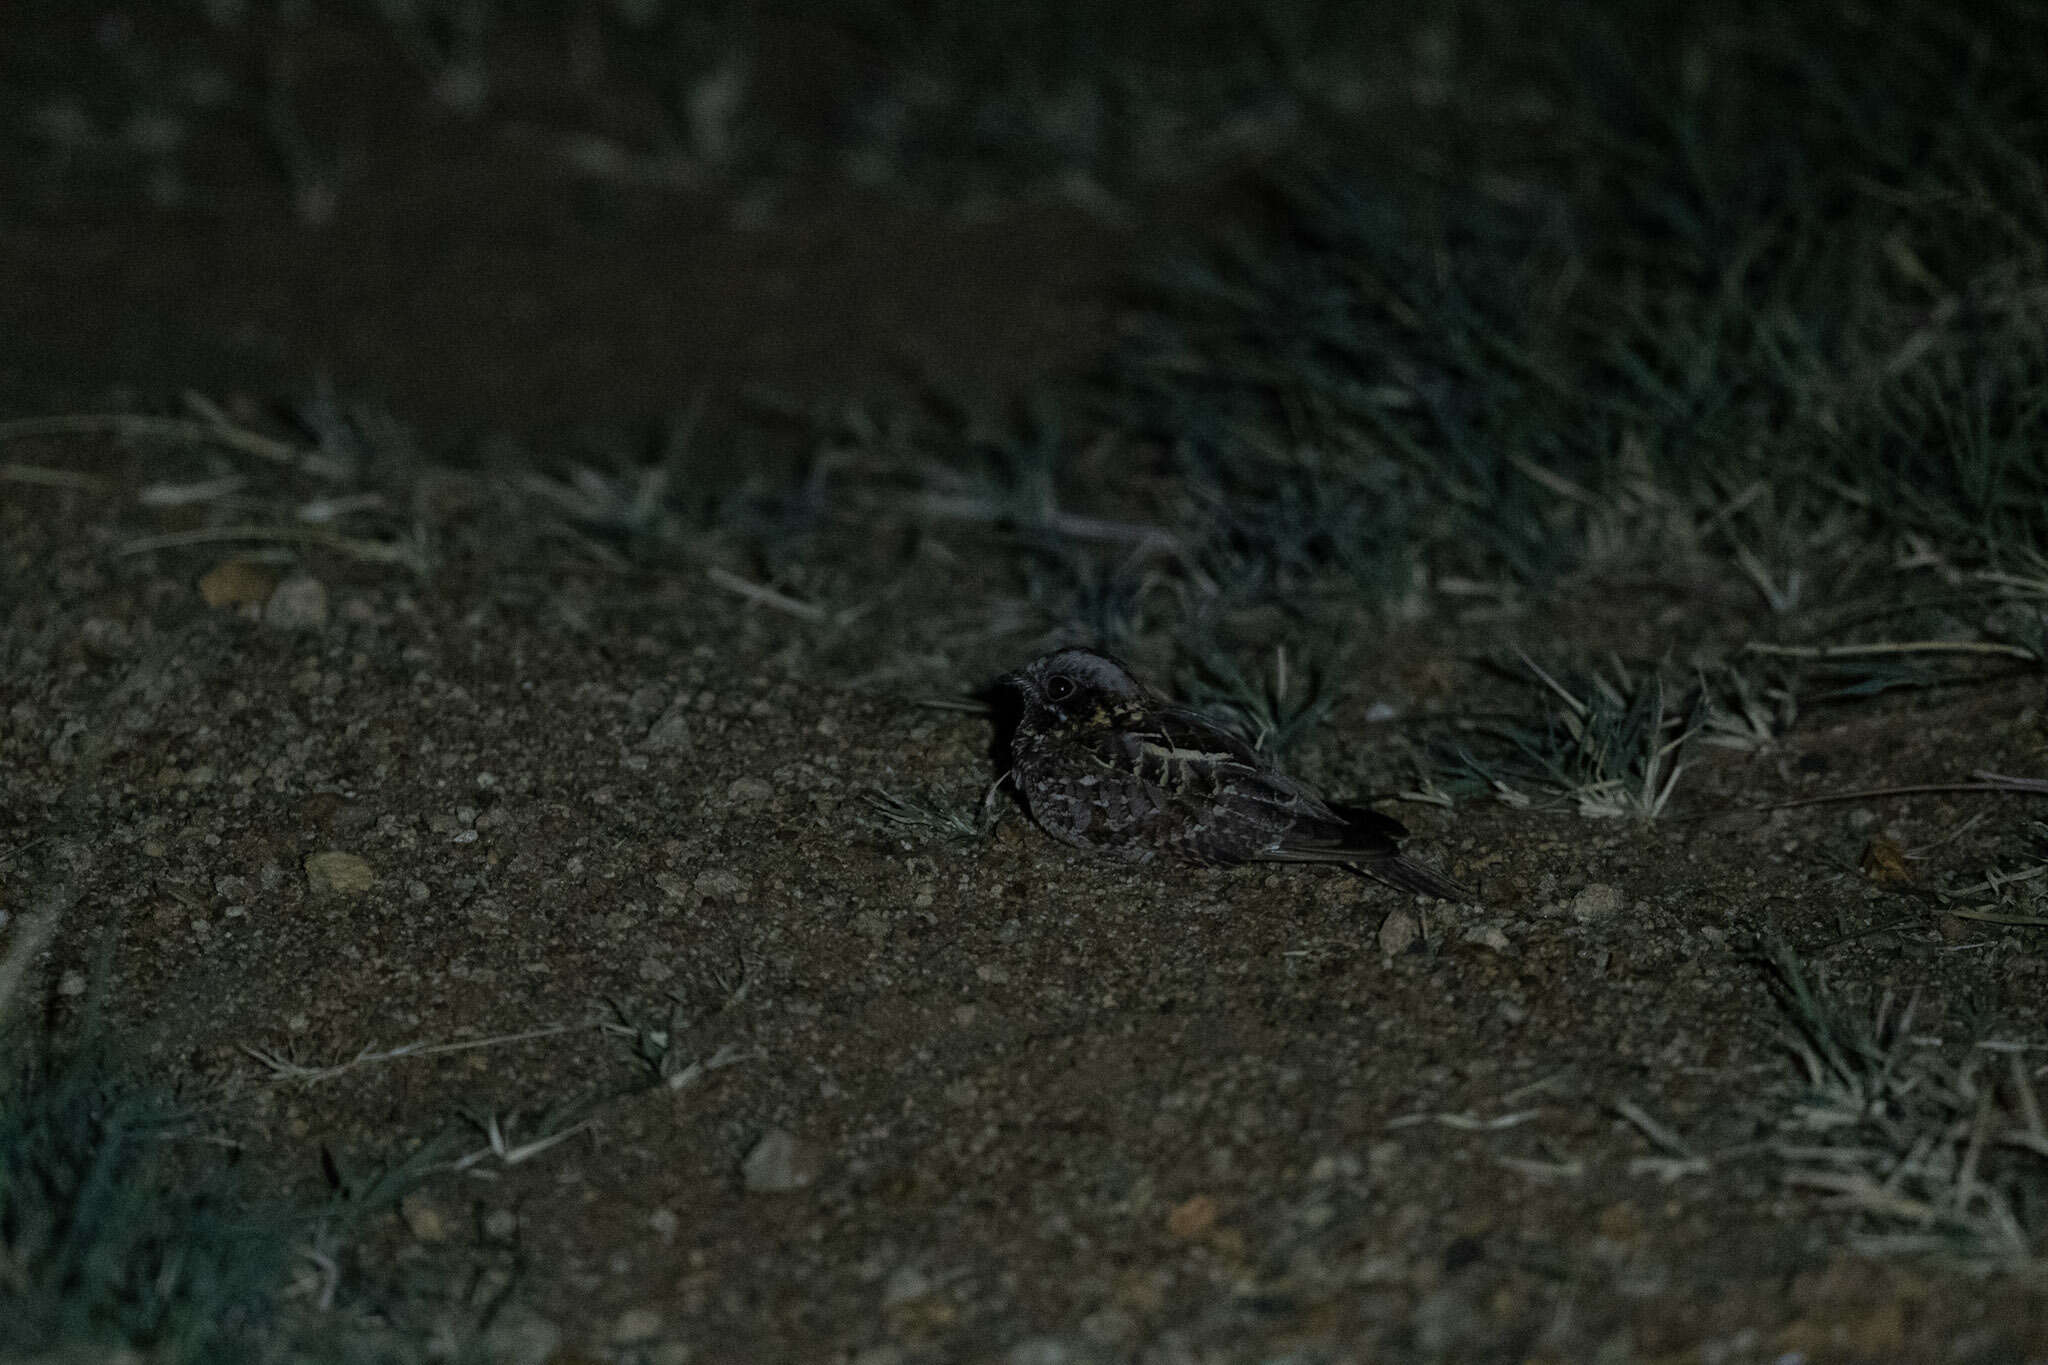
(109,1239)
(1928,1153)
(922,813)
(1272,709)
(1613,747)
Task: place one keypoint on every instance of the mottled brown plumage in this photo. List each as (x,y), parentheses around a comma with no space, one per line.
(1106,766)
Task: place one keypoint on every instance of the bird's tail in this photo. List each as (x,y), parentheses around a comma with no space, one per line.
(1405,874)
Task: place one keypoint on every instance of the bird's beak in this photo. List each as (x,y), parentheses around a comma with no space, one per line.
(1004,695)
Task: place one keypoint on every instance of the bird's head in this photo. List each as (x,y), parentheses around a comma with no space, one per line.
(1070,686)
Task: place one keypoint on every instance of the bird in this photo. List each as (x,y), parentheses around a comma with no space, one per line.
(1104,764)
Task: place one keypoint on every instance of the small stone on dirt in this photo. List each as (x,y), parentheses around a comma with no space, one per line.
(905,1284)
(1489,936)
(519,1336)
(298,603)
(1398,932)
(1884,861)
(719,884)
(334,873)
(1040,1351)
(1192,1218)
(104,637)
(1598,900)
(1109,1326)
(235,583)
(778,1164)
(669,733)
(748,790)
(423,1218)
(636,1325)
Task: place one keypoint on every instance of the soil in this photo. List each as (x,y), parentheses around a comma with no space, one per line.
(912,1095)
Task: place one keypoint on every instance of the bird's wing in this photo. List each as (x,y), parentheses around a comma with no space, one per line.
(1246,808)
(1193,753)
(1348,832)
(1238,804)
(1369,843)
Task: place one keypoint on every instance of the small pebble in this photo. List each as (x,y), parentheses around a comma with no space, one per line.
(298,603)
(1598,900)
(1489,935)
(519,1336)
(236,582)
(334,873)
(1109,1326)
(778,1164)
(669,733)
(1191,1218)
(423,1218)
(906,1284)
(719,884)
(1046,1350)
(748,790)
(636,1325)
(1398,932)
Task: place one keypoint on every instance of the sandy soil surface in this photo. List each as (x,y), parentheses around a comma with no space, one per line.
(816,1083)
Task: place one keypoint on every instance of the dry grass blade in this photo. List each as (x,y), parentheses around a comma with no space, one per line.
(285,1067)
(45,477)
(174,430)
(1894,648)
(34,929)
(401,552)
(1917,1146)
(498,1137)
(1682,1159)
(766,596)
(1987,782)
(1614,750)
(1466,1123)
(910,812)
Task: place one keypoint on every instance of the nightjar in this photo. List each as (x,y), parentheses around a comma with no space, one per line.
(1105,765)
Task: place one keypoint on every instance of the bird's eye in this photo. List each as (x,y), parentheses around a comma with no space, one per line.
(1059,689)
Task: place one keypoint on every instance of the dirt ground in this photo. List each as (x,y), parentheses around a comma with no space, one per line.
(827,1086)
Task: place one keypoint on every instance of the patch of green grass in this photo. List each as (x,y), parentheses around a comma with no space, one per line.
(1103,600)
(1698,295)
(112,1236)
(1682,305)
(1273,708)
(934,816)
(1927,1152)
(126,1235)
(1747,708)
(1612,746)
(1098,101)
(971,104)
